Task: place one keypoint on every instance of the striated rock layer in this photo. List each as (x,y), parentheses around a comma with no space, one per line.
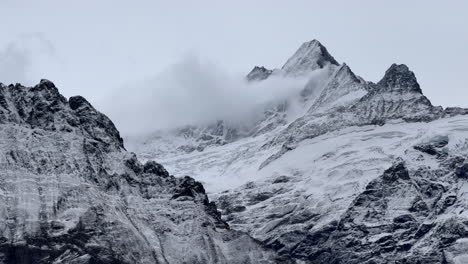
(71,193)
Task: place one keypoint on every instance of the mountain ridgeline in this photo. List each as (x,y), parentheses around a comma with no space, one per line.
(71,193)
(348,171)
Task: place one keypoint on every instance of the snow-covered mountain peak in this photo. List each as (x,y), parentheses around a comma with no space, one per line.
(310,56)
(399,77)
(343,86)
(344,71)
(349,171)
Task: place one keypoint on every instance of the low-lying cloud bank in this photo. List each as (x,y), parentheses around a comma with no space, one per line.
(193,92)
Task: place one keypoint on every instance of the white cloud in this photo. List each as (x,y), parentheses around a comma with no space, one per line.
(25,59)
(193,92)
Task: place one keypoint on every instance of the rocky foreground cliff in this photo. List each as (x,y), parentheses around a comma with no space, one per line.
(71,193)
(363,172)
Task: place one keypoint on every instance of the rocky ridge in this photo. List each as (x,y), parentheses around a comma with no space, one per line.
(71,193)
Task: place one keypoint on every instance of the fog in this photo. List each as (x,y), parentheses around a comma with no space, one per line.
(195,91)
(27,59)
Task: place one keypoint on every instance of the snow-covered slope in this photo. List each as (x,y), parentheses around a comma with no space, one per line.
(71,193)
(359,172)
(310,56)
(300,204)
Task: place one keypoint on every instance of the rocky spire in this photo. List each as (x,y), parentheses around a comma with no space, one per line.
(259,74)
(42,106)
(96,124)
(399,77)
(310,56)
(344,71)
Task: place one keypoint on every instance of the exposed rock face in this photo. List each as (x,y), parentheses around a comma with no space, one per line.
(400,77)
(363,173)
(259,74)
(350,204)
(42,106)
(394,220)
(71,193)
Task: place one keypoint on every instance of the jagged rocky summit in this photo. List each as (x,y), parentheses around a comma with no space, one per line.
(310,56)
(71,193)
(359,172)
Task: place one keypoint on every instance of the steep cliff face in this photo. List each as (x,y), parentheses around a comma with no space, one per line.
(71,193)
(363,173)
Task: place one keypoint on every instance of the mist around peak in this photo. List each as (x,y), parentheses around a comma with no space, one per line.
(195,92)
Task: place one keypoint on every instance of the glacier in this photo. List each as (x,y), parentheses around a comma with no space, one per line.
(349,171)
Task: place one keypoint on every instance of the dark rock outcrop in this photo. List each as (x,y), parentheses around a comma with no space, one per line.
(258,74)
(400,77)
(375,230)
(71,193)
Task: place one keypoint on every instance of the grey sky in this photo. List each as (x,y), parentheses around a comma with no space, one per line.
(90,47)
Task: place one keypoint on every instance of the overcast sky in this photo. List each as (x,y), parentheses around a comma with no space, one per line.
(91,47)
